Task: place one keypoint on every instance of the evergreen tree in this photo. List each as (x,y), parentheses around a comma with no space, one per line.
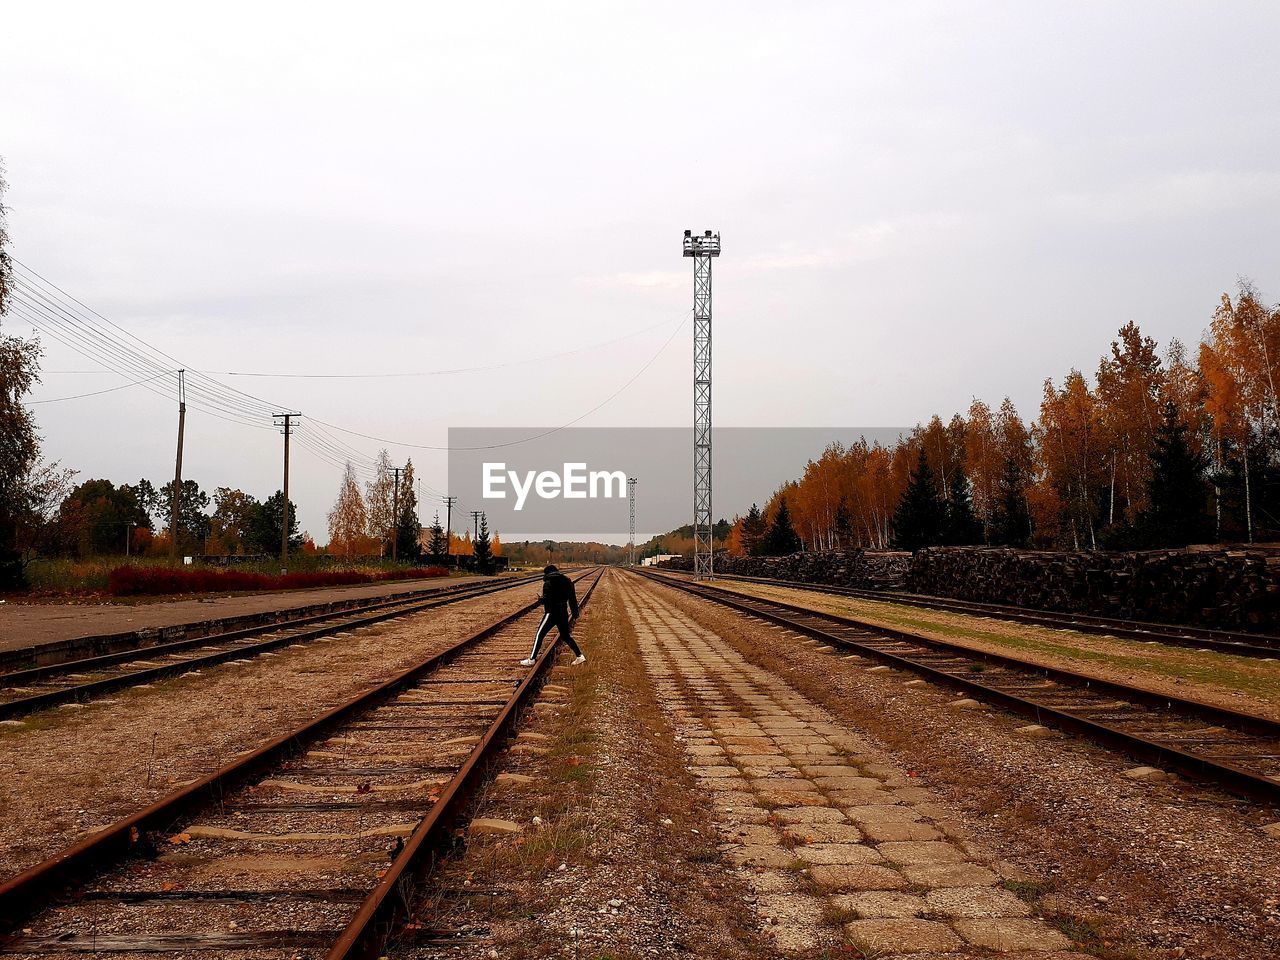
(482,549)
(437,543)
(781,538)
(1176,493)
(753,531)
(918,521)
(408,526)
(960,527)
(843,525)
(1011,526)
(265,522)
(193,522)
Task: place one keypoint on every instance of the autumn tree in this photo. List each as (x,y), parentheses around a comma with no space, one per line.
(1239,358)
(380,495)
(983,461)
(97,517)
(347,519)
(1070,448)
(1130,383)
(233,516)
(19,442)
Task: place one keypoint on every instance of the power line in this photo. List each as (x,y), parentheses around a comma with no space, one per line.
(537,436)
(81,396)
(442,372)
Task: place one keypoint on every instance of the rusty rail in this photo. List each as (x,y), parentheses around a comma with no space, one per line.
(33,888)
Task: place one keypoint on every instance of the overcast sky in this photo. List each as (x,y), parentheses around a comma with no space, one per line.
(919,203)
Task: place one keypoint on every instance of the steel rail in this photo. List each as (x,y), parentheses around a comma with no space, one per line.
(337,622)
(35,886)
(1171,634)
(1230,775)
(375,922)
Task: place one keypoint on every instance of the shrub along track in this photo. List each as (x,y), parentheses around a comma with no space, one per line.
(1232,749)
(305,834)
(75,681)
(1220,641)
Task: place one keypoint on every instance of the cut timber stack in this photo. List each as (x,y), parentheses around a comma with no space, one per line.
(1227,587)
(857,568)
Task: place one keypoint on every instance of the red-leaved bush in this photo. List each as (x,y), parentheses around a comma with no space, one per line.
(150,581)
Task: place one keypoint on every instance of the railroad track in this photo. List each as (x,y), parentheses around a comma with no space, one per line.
(313,845)
(1221,641)
(1235,750)
(74,681)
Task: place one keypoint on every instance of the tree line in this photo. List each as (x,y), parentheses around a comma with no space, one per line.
(1157,449)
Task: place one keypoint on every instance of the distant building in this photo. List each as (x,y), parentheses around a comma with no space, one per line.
(658,558)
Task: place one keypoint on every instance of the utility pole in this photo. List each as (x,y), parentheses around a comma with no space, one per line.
(475,524)
(177,467)
(395,511)
(285,420)
(448,523)
(631,544)
(702,249)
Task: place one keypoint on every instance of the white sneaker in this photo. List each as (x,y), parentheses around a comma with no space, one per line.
(580,658)
(527,662)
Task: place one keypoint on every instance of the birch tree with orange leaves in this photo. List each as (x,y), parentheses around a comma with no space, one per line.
(1130,383)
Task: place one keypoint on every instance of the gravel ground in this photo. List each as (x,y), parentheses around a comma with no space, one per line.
(1241,683)
(72,770)
(1131,868)
(31,624)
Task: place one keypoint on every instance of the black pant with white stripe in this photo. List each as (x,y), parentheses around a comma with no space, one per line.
(561,624)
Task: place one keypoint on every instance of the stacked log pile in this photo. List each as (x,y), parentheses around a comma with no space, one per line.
(1230,588)
(857,568)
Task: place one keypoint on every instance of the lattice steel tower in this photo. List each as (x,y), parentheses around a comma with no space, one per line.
(702,249)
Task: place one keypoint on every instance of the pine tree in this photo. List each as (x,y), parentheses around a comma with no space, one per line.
(265,524)
(843,525)
(918,521)
(781,538)
(437,544)
(960,527)
(1176,492)
(482,549)
(1011,525)
(408,526)
(753,531)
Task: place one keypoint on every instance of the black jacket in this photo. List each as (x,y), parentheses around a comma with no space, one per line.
(559,597)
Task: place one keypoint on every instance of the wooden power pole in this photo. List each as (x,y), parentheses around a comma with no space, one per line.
(448,524)
(177,468)
(285,420)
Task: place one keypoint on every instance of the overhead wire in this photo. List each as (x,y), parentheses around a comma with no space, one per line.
(63,317)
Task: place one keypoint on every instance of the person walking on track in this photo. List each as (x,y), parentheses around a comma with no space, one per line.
(560,609)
